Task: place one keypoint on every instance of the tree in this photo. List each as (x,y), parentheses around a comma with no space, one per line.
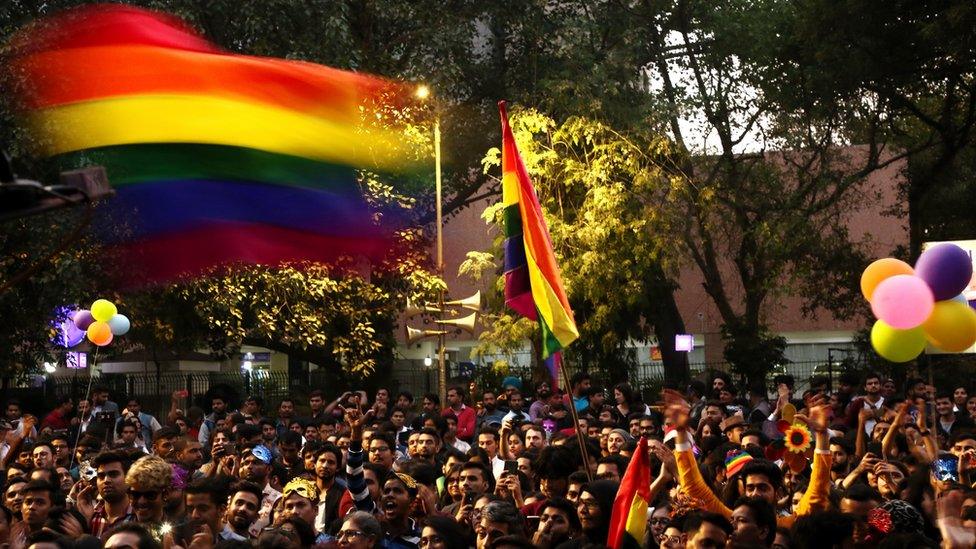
(760,197)
(597,188)
(915,61)
(47,262)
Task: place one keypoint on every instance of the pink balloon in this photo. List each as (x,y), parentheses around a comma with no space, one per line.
(903,301)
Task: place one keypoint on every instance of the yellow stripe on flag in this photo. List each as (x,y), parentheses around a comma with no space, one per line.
(211,120)
(637,519)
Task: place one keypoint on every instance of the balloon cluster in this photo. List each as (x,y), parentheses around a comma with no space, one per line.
(921,305)
(102,322)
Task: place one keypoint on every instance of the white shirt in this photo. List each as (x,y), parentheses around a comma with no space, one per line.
(869,424)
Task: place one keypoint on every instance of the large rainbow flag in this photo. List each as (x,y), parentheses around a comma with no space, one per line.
(533,287)
(215,157)
(628,520)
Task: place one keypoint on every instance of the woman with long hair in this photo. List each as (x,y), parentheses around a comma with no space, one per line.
(628,401)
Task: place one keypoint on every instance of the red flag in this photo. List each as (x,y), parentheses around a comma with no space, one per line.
(629,517)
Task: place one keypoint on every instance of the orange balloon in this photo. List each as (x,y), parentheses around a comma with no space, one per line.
(880,270)
(99,333)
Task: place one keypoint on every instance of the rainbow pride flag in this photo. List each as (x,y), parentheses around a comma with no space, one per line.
(628,520)
(533,287)
(216,157)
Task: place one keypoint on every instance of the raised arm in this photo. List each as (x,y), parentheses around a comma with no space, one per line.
(816,497)
(889,437)
(355,480)
(689,476)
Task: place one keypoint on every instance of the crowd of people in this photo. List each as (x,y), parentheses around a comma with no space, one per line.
(868,464)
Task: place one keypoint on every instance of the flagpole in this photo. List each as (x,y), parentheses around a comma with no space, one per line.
(579,434)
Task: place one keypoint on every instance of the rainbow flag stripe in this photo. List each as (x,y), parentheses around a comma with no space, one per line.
(255,156)
(533,287)
(628,519)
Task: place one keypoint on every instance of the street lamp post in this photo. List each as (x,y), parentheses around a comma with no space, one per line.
(423,93)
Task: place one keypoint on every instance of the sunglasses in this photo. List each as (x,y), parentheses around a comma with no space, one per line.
(150,495)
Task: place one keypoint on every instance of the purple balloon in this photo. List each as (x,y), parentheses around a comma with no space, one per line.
(84,318)
(72,335)
(946,268)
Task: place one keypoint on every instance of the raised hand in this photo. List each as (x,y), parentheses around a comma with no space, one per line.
(816,417)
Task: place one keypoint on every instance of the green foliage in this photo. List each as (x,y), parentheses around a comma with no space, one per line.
(46,261)
(597,189)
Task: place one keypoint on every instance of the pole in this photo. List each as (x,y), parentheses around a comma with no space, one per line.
(579,434)
(441,366)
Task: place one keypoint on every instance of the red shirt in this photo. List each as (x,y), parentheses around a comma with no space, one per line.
(56,420)
(466,417)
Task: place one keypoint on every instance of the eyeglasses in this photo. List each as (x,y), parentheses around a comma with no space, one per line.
(150,495)
(379,449)
(430,540)
(660,520)
(591,503)
(350,534)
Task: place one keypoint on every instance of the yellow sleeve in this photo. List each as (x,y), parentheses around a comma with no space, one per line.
(816,497)
(694,485)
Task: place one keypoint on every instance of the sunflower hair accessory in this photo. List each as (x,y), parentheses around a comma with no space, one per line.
(797,438)
(302,487)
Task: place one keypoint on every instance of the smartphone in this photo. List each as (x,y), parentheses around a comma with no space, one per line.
(874,448)
(511,466)
(470,498)
(946,468)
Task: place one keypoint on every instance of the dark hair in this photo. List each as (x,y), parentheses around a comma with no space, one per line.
(872,375)
(104,458)
(517,539)
(490,431)
(764,514)
(763,439)
(41,486)
(785,379)
(618,460)
(486,473)
(290,437)
(47,536)
(567,507)
(216,488)
(765,468)
(578,377)
(385,437)
(697,387)
(246,486)
(823,529)
(843,443)
(433,398)
(453,534)
(407,394)
(306,534)
(943,394)
(430,432)
(577,477)
(246,431)
(862,492)
(316,393)
(334,450)
(962,435)
(695,519)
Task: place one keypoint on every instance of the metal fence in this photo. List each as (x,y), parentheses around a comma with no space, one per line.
(154,391)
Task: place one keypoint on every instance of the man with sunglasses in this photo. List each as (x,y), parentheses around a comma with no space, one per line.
(149,480)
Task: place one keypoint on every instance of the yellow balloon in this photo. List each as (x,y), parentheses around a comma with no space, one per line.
(951,327)
(897,345)
(103,309)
